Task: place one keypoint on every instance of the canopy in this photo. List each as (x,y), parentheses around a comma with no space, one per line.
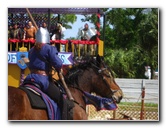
(82,11)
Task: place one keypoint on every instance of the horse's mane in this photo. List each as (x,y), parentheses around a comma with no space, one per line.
(78,68)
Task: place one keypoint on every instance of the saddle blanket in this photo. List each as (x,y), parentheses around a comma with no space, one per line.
(100,103)
(51,107)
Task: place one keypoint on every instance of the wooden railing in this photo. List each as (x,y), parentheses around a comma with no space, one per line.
(77,47)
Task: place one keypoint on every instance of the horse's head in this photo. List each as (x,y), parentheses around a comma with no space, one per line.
(92,75)
(105,85)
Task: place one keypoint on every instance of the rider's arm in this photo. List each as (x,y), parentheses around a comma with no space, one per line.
(55,60)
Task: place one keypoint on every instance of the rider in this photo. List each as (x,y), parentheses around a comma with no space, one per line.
(42,57)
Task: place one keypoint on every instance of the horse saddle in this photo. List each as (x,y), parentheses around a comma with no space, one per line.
(35,98)
(37,101)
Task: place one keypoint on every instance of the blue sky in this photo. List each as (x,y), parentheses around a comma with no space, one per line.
(75,27)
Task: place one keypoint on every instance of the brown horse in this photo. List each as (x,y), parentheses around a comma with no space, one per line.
(91,75)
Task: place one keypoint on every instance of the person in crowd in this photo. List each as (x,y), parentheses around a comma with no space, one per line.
(87,34)
(84,32)
(15,33)
(57,33)
(44,25)
(29,33)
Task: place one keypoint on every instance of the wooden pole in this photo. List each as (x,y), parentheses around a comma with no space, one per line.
(104,25)
(65,86)
(98,30)
(114,114)
(49,19)
(142,101)
(33,21)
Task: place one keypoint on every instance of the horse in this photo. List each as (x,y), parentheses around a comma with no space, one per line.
(90,75)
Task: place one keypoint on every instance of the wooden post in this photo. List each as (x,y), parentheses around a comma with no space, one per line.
(10,46)
(49,20)
(85,48)
(29,45)
(73,47)
(16,46)
(33,21)
(66,47)
(79,51)
(65,87)
(98,29)
(60,47)
(142,101)
(114,114)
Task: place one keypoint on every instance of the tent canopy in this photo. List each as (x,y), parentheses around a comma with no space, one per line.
(82,11)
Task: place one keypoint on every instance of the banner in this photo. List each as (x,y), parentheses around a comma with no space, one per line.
(16,58)
(66,57)
(20,61)
(12,57)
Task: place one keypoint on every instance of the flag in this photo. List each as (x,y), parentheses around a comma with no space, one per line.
(100,103)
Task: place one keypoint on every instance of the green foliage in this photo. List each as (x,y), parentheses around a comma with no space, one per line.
(132,42)
(124,63)
(68,20)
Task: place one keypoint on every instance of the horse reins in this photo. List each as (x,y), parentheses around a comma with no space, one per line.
(75,100)
(100,70)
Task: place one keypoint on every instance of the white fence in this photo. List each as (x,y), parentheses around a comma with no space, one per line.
(132,89)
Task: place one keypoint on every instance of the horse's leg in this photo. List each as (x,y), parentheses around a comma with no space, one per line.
(79,113)
(19,107)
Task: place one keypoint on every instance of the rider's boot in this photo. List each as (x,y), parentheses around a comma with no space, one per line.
(63,103)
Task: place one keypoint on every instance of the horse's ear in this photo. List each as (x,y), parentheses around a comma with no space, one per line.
(98,58)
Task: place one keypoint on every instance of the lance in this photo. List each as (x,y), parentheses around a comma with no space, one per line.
(60,73)
(33,21)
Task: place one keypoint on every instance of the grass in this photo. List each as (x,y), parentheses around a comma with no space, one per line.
(139,104)
(130,106)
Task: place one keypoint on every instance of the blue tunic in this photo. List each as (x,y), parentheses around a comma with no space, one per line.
(50,54)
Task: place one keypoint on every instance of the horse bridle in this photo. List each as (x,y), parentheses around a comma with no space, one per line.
(100,71)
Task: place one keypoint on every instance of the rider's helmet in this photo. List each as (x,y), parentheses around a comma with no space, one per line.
(42,35)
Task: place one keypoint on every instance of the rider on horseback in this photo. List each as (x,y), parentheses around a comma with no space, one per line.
(42,58)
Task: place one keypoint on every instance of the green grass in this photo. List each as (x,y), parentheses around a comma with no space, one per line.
(139,104)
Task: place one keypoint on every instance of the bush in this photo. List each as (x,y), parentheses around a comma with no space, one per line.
(125,63)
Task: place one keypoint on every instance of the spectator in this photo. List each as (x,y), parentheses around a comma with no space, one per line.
(44,25)
(57,33)
(29,32)
(15,33)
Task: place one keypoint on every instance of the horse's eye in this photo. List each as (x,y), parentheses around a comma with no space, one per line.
(99,71)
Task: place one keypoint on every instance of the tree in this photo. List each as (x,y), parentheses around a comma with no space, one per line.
(131,40)
(148,34)
(68,20)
